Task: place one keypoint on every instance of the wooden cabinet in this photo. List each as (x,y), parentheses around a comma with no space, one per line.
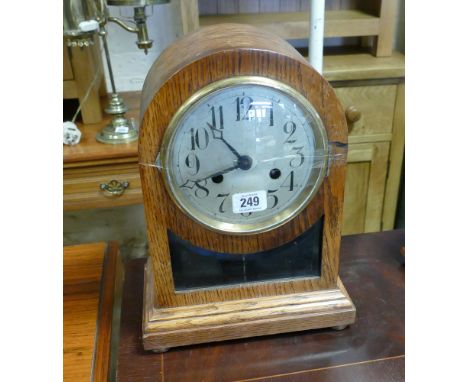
(371,188)
(90,164)
(375,105)
(371,91)
(366,175)
(372,87)
(106,185)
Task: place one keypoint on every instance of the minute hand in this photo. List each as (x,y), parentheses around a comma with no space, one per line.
(218,134)
(219,173)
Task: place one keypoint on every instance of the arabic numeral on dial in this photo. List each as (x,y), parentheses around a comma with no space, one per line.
(289,128)
(274,197)
(294,162)
(243,105)
(217,122)
(192,162)
(201,191)
(221,206)
(289,182)
(199,140)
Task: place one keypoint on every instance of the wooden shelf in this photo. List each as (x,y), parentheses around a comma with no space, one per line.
(363,66)
(295,25)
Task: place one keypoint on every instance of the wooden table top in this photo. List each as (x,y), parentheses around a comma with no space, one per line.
(372,349)
(89,277)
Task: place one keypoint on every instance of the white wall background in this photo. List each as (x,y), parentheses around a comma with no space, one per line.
(130,64)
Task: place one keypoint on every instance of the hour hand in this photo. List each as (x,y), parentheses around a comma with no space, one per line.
(218,134)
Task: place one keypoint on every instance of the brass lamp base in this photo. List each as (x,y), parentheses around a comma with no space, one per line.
(120,130)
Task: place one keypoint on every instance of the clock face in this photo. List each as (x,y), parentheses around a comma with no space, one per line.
(244,155)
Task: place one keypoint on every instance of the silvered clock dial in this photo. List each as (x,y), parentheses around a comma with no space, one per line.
(244,155)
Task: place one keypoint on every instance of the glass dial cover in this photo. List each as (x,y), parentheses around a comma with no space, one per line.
(244,155)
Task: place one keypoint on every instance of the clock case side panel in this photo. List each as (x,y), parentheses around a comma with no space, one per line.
(162,214)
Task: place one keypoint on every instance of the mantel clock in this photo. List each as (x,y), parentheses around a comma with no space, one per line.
(242,157)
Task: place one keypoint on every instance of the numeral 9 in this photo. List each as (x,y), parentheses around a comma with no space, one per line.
(192,162)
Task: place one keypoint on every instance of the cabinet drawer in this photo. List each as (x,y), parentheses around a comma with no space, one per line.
(371,108)
(101,186)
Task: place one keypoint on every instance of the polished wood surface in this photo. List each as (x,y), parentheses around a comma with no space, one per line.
(372,349)
(170,82)
(90,276)
(82,186)
(164,328)
(213,54)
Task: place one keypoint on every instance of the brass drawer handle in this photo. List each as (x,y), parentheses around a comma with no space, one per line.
(352,116)
(114,187)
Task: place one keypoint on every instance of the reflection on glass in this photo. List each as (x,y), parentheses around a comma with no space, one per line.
(195,267)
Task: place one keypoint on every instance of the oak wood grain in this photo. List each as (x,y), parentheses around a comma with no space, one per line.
(82,186)
(89,283)
(222,52)
(164,328)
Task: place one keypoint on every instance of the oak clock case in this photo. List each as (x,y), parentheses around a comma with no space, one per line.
(242,161)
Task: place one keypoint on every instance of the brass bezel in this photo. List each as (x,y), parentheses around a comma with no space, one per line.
(301,200)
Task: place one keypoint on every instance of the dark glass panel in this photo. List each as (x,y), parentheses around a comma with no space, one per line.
(195,267)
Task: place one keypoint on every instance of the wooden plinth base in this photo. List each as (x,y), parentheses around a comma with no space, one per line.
(164,328)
